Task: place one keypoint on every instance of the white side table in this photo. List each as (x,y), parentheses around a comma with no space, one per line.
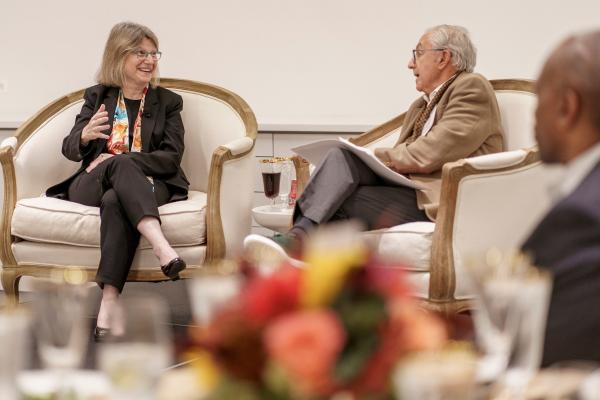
(276,219)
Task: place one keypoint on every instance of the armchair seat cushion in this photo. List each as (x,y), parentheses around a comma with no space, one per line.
(50,220)
(406,244)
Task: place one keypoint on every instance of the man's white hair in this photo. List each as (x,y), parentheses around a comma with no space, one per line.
(455,39)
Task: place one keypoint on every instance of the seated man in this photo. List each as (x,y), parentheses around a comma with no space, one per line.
(567,240)
(456,117)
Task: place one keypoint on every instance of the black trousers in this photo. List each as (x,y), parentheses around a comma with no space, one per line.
(124,195)
(344,187)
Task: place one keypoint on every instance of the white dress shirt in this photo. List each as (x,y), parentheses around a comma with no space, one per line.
(429,123)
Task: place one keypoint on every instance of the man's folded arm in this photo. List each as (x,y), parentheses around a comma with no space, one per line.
(463,128)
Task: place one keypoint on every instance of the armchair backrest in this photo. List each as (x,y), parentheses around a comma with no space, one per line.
(38,160)
(212,116)
(516,100)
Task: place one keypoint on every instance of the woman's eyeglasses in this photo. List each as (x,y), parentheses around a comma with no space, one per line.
(142,54)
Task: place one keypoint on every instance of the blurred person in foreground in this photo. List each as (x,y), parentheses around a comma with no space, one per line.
(456,116)
(129,140)
(567,240)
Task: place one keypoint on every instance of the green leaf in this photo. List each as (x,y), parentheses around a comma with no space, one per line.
(276,380)
(362,313)
(354,356)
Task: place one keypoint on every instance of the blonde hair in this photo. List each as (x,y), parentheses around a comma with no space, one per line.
(123,39)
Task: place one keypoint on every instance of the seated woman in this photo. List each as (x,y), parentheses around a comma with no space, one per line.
(129,139)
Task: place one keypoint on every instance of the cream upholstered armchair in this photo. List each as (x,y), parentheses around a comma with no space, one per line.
(41,235)
(487,201)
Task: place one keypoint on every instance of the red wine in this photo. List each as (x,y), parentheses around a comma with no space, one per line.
(271,183)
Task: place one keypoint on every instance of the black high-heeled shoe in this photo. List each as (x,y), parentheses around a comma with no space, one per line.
(173,268)
(101,334)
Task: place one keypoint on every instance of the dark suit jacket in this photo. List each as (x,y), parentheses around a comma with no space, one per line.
(162,138)
(567,242)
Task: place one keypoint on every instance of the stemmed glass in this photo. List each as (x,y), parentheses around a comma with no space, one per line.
(213,289)
(140,347)
(271,176)
(513,298)
(61,327)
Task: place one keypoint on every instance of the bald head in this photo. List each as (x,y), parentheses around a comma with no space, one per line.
(568,114)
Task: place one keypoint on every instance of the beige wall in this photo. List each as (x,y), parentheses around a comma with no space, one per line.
(295,62)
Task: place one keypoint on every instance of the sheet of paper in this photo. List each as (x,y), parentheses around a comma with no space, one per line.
(316,151)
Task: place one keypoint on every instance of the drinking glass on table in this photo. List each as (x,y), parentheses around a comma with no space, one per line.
(61,328)
(285,184)
(271,176)
(140,347)
(510,319)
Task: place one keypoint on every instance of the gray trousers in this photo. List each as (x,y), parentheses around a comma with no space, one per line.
(343,187)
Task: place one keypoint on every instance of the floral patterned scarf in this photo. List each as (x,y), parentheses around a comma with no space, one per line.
(118,142)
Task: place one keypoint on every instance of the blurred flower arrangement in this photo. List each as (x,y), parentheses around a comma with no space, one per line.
(336,327)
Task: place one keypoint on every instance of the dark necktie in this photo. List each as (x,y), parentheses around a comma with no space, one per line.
(426,112)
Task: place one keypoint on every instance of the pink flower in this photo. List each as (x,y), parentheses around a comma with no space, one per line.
(306,345)
(390,281)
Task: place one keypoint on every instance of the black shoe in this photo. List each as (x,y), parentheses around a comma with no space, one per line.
(101,334)
(173,268)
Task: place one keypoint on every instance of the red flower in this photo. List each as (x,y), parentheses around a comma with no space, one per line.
(306,345)
(235,344)
(265,298)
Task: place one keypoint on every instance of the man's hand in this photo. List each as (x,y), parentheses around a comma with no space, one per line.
(98,160)
(385,159)
(94,128)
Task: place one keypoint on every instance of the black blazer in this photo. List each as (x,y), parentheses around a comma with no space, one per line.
(567,242)
(162,138)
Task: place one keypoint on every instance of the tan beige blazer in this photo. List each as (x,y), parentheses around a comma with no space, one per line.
(467,123)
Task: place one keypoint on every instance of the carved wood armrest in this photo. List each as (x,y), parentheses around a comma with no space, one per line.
(442,281)
(215,237)
(10,201)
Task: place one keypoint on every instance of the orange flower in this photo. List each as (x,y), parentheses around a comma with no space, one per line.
(424,331)
(408,329)
(306,345)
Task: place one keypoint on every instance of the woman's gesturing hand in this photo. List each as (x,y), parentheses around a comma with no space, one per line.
(94,128)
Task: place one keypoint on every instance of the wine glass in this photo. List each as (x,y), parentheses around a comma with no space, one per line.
(513,298)
(140,347)
(212,290)
(271,175)
(61,328)
(285,185)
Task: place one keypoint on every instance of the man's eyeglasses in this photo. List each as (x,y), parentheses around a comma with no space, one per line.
(142,55)
(416,53)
